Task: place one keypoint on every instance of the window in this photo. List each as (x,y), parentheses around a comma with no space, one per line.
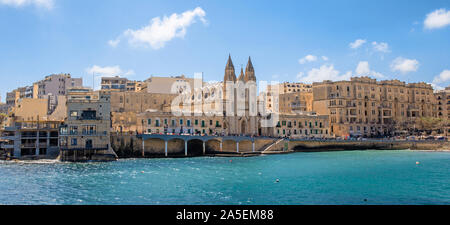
(89,129)
(149,121)
(73,130)
(181,122)
(74,113)
(74,142)
(89,115)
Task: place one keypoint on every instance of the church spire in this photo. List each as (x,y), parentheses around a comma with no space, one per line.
(229,71)
(250,71)
(241,77)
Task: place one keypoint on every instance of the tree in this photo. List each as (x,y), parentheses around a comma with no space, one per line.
(430,124)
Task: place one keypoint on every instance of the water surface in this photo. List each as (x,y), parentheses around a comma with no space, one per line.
(380,177)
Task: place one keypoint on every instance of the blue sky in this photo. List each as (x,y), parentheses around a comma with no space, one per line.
(287,40)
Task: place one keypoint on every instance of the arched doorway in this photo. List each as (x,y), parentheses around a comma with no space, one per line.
(243,127)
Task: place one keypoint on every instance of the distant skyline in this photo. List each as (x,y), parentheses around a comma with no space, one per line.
(293,41)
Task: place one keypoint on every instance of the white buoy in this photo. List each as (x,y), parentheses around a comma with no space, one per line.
(417,163)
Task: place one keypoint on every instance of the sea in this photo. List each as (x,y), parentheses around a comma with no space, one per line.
(402,177)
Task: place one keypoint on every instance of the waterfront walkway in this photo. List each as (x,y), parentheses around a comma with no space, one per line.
(204,139)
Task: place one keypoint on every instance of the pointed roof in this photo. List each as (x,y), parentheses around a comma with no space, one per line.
(241,77)
(229,71)
(250,65)
(229,62)
(250,71)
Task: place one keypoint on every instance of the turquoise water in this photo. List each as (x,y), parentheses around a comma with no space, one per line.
(381,177)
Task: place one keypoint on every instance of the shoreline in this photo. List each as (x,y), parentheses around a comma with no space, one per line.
(217,155)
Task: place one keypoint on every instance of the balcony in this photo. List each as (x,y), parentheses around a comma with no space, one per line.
(89,133)
(89,118)
(7,146)
(83,148)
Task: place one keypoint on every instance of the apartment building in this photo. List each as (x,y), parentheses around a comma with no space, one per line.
(50,87)
(288,87)
(443,107)
(302,125)
(366,107)
(163,122)
(86,130)
(288,97)
(56,84)
(32,130)
(121,84)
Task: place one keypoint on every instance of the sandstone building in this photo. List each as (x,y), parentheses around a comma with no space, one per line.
(367,107)
(32,129)
(49,88)
(122,84)
(87,128)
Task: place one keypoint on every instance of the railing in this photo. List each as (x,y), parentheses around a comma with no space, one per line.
(81,148)
(83,133)
(31,145)
(89,118)
(89,133)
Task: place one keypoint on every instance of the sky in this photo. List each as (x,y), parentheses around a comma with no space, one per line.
(304,41)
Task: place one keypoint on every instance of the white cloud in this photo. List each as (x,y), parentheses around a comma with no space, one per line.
(363,69)
(443,77)
(325,72)
(308,58)
(437,19)
(21,3)
(324,58)
(404,65)
(436,87)
(160,31)
(358,43)
(380,47)
(108,71)
(114,43)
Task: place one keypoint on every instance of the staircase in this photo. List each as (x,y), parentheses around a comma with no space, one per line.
(273,147)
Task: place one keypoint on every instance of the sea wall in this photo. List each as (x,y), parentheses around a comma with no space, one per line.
(129,146)
(365,145)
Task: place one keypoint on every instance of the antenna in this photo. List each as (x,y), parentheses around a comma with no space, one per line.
(93,81)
